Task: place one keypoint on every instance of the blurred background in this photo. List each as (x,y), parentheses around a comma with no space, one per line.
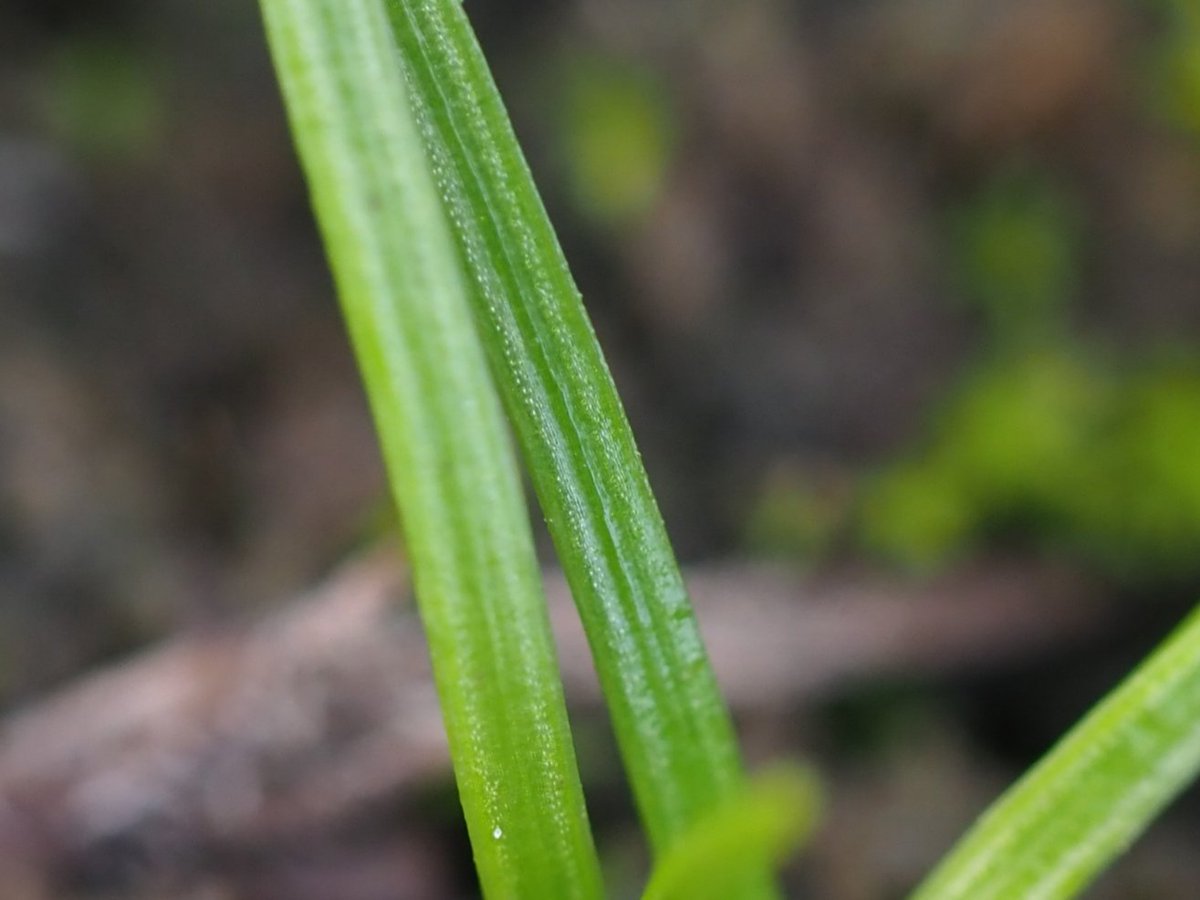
(903,297)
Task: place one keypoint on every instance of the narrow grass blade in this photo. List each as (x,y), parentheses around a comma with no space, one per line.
(757,828)
(444,441)
(674,732)
(1096,791)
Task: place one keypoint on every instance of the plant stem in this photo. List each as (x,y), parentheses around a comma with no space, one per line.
(671,723)
(1096,791)
(448,456)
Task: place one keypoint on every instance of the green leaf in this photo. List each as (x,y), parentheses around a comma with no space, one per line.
(758,827)
(672,727)
(1093,794)
(445,445)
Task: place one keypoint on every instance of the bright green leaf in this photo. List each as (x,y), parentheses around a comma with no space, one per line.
(672,727)
(1096,791)
(760,826)
(445,445)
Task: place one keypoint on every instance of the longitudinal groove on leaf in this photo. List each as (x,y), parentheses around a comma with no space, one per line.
(673,729)
(1093,794)
(448,456)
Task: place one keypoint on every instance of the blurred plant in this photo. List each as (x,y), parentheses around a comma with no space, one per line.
(1016,246)
(616,135)
(1062,450)
(797,513)
(764,823)
(1044,441)
(997,457)
(1134,499)
(105,100)
(446,264)
(1175,65)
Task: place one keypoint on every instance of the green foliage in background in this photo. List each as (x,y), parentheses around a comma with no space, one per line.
(796,515)
(105,100)
(616,135)
(1057,449)
(996,458)
(1174,83)
(1015,245)
(1045,441)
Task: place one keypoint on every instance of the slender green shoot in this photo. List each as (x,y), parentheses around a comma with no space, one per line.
(448,456)
(671,723)
(756,829)
(1096,791)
